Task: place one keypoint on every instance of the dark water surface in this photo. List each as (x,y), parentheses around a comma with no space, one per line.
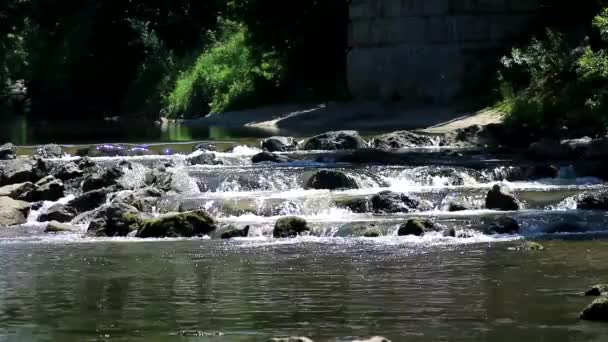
(329,289)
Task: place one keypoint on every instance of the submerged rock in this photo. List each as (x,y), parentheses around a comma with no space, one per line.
(332,141)
(103,179)
(330,180)
(279,144)
(57,227)
(388,202)
(403,139)
(23,170)
(49,151)
(416,227)
(287,227)
(271,158)
(565,227)
(597,290)
(235,233)
(356,205)
(501,198)
(188,224)
(503,225)
(13,212)
(596,311)
(115,220)
(8,151)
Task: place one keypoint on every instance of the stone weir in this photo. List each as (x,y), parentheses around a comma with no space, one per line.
(430,51)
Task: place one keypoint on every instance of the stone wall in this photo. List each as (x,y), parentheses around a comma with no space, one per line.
(430,51)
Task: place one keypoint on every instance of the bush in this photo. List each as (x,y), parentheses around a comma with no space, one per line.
(226,76)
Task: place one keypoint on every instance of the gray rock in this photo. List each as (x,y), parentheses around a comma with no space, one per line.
(57,227)
(8,151)
(59,213)
(372,233)
(279,144)
(270,157)
(388,202)
(204,159)
(500,197)
(68,171)
(287,227)
(49,151)
(49,189)
(13,212)
(597,200)
(356,205)
(332,141)
(416,227)
(115,220)
(188,224)
(596,311)
(23,170)
(331,180)
(235,233)
(21,191)
(403,139)
(159,178)
(88,201)
(503,225)
(103,179)
(144,200)
(597,290)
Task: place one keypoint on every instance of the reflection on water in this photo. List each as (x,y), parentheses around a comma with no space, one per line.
(21,131)
(152,291)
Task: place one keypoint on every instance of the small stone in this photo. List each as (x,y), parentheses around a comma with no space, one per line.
(533,246)
(597,290)
(56,227)
(331,180)
(236,233)
(596,311)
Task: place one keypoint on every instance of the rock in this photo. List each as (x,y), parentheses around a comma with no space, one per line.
(597,290)
(203,159)
(279,144)
(56,227)
(330,180)
(287,227)
(597,149)
(104,179)
(159,178)
(456,206)
(49,189)
(596,311)
(235,233)
(21,191)
(87,165)
(59,213)
(597,200)
(88,201)
(501,198)
(13,212)
(290,339)
(188,224)
(403,139)
(450,232)
(23,170)
(356,205)
(205,147)
(416,227)
(533,246)
(332,141)
(49,151)
(144,200)
(549,149)
(503,225)
(514,174)
(115,220)
(8,151)
(372,233)
(270,157)
(388,202)
(366,156)
(68,171)
(373,339)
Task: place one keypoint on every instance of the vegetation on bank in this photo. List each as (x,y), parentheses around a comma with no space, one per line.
(69,59)
(557,85)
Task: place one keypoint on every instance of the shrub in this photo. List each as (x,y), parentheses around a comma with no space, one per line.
(226,76)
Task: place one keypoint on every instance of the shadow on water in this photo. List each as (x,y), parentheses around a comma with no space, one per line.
(22,131)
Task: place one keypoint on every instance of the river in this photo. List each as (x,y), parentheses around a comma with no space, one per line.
(330,286)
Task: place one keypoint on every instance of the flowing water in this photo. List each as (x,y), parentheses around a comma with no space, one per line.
(331,285)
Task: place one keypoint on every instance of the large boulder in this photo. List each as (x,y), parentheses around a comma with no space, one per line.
(279,144)
(13,212)
(8,151)
(188,224)
(332,141)
(115,220)
(103,179)
(49,151)
(356,205)
(23,170)
(144,200)
(596,311)
(592,200)
(270,158)
(287,227)
(416,227)
(502,225)
(331,180)
(68,171)
(501,197)
(88,201)
(58,213)
(403,139)
(49,189)
(388,202)
(597,290)
(20,191)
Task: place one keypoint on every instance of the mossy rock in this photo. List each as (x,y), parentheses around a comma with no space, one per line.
(290,227)
(235,233)
(188,224)
(356,205)
(533,246)
(372,233)
(416,227)
(116,220)
(57,227)
(597,290)
(596,311)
